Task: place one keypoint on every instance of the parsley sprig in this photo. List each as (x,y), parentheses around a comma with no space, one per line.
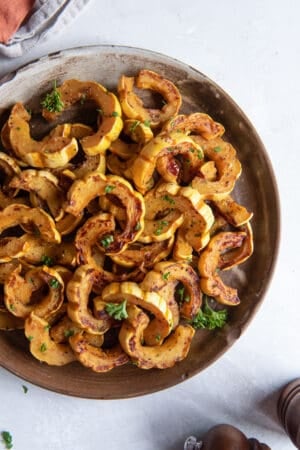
(52,102)
(117,310)
(209,318)
(7,439)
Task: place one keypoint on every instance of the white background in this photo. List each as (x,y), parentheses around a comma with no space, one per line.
(251,49)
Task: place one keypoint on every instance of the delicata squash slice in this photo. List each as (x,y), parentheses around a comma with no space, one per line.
(23,294)
(132,105)
(93,356)
(210,281)
(94,185)
(162,323)
(51,152)
(110,234)
(110,122)
(172,350)
(42,346)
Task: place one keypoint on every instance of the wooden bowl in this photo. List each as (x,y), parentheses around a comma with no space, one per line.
(256,189)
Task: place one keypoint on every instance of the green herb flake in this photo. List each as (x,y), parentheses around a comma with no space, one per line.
(199,154)
(52,102)
(180,293)
(161,224)
(166,275)
(30,338)
(187,298)
(192,150)
(117,310)
(138,226)
(109,188)
(25,389)
(217,149)
(158,337)
(43,347)
(47,327)
(47,260)
(209,318)
(114,114)
(147,123)
(169,199)
(134,125)
(7,439)
(69,333)
(11,307)
(54,283)
(107,240)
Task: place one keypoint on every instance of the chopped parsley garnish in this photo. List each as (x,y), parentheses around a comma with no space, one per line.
(47,260)
(109,188)
(52,102)
(107,240)
(114,114)
(43,347)
(7,439)
(68,333)
(158,337)
(134,125)
(30,338)
(199,154)
(209,318)
(166,275)
(217,149)
(25,389)
(54,283)
(147,123)
(169,199)
(181,295)
(11,307)
(47,327)
(117,310)
(161,224)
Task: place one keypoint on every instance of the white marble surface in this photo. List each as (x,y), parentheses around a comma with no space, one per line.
(252,49)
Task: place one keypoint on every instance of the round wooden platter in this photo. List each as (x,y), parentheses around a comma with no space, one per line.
(256,189)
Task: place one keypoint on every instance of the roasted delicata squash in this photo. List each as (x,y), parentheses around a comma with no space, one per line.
(94,356)
(95,185)
(162,323)
(72,91)
(113,233)
(172,350)
(54,152)
(132,105)
(210,281)
(42,346)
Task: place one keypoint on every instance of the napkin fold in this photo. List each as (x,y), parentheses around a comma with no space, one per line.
(24,23)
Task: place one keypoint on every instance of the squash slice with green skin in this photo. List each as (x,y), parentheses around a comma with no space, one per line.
(42,346)
(52,152)
(73,91)
(161,325)
(174,349)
